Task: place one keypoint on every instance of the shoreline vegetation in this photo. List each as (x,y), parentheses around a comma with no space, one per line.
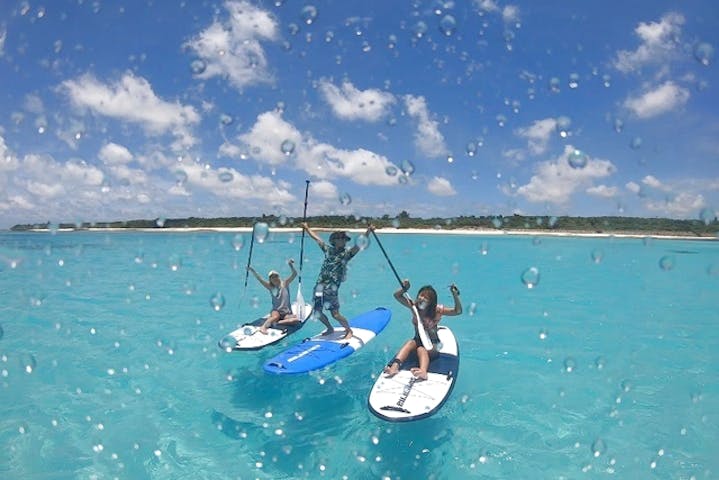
(519,224)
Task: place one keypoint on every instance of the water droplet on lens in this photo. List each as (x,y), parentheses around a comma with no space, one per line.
(391,171)
(636,143)
(471,149)
(28,363)
(448,25)
(563,126)
(225,176)
(419,29)
(198,66)
(362,241)
(228,343)
(288,147)
(598,448)
(573,80)
(309,14)
(180,177)
(578,159)
(543,334)
(226,119)
(261,231)
(217,301)
(407,167)
(530,277)
(570,365)
(707,215)
(345,199)
(666,263)
(597,255)
(237,242)
(704,53)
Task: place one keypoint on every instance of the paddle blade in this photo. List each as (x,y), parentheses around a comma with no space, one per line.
(301,306)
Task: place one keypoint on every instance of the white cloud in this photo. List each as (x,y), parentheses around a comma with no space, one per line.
(654,182)
(3,36)
(602,191)
(266,137)
(428,138)
(349,103)
(264,144)
(538,134)
(324,189)
(510,13)
(555,181)
(683,204)
(658,44)
(114,154)
(131,99)
(441,187)
(664,98)
(633,187)
(232,48)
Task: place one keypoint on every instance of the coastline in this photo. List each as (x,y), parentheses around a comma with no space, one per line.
(400,231)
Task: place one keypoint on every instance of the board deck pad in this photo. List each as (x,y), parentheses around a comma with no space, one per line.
(319,351)
(404,398)
(249,337)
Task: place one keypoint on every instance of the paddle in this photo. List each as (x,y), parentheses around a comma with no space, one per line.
(249,257)
(300,298)
(420,327)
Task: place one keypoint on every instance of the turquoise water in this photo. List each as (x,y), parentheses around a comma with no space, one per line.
(109,364)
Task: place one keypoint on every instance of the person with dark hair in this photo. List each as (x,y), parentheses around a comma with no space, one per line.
(332,273)
(430,314)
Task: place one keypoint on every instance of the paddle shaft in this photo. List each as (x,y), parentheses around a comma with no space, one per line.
(302,241)
(420,327)
(249,256)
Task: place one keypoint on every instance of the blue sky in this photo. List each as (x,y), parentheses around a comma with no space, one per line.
(125,110)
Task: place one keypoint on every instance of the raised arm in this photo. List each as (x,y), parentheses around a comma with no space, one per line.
(264,282)
(312,234)
(400,296)
(292,275)
(457,309)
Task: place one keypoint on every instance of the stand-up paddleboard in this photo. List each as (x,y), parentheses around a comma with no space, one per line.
(404,398)
(249,337)
(319,351)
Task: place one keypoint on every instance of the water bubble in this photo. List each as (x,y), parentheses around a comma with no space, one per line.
(597,255)
(563,126)
(570,365)
(260,232)
(578,159)
(345,199)
(704,53)
(28,363)
(636,143)
(287,147)
(419,29)
(238,242)
(225,176)
(707,215)
(666,263)
(598,447)
(573,80)
(217,301)
(530,277)
(448,25)
(198,66)
(228,343)
(309,14)
(362,241)
(471,149)
(407,167)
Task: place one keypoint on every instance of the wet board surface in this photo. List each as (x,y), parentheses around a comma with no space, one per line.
(249,337)
(319,351)
(404,398)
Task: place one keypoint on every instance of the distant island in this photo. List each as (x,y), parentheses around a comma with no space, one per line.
(530,224)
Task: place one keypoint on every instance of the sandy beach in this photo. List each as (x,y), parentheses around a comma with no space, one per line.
(401,231)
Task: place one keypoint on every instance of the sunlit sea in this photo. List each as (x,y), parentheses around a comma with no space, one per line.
(580,358)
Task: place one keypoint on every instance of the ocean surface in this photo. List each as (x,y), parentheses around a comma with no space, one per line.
(580,358)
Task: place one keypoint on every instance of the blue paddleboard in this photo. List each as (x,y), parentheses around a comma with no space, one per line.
(319,351)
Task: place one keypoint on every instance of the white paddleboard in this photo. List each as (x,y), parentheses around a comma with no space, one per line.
(249,337)
(404,398)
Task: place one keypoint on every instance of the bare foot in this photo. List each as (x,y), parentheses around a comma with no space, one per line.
(329,331)
(263,330)
(392,369)
(419,374)
(347,335)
